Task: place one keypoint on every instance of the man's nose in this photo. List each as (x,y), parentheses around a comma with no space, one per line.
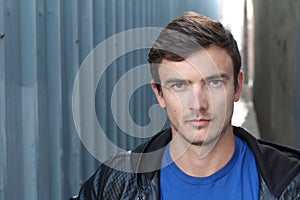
(200,98)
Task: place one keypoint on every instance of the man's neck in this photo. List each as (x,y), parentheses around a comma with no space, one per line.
(190,161)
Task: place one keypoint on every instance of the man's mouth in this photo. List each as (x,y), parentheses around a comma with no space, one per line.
(199,122)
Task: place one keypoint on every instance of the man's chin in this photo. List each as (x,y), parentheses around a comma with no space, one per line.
(204,140)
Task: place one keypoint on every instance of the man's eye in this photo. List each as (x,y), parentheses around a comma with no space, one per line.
(178,85)
(216,83)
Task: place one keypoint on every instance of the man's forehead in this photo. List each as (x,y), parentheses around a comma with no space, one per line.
(185,70)
(205,62)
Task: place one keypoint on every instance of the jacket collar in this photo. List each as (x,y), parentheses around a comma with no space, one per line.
(146,158)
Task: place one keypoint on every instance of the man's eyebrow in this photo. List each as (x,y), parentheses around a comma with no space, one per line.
(175,80)
(211,77)
(216,76)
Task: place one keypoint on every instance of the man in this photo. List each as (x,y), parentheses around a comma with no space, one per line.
(195,65)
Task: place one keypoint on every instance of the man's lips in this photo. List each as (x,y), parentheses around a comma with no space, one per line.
(199,122)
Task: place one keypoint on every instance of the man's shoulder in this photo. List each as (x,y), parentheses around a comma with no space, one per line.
(278,165)
(271,147)
(109,179)
(126,161)
(120,171)
(266,148)
(118,162)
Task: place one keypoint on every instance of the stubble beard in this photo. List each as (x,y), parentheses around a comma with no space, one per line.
(210,139)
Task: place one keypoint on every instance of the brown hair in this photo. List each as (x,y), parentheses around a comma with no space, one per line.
(188,33)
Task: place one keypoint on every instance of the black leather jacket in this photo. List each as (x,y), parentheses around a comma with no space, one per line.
(278,168)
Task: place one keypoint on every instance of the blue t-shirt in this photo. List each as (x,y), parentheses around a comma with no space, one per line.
(238,179)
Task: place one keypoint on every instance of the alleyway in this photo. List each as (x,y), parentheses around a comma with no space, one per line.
(244,113)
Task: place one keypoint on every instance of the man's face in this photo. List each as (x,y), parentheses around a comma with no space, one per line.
(198,94)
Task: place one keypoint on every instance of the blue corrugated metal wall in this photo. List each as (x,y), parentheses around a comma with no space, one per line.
(42,44)
(297,92)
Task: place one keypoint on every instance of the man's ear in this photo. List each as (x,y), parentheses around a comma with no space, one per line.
(239,86)
(158,94)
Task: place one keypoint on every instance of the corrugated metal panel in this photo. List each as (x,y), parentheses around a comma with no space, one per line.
(3,150)
(41,155)
(297,92)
